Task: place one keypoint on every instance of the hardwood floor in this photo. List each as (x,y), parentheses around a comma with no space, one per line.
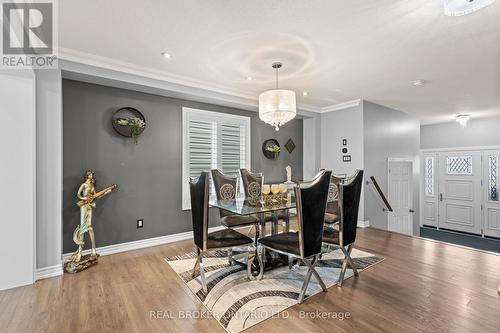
(421,286)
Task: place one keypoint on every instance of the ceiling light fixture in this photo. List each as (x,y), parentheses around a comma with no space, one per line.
(166,55)
(249,78)
(305,93)
(464,7)
(277,106)
(463,119)
(418,83)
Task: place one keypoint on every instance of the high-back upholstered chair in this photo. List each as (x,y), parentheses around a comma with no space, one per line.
(332,207)
(225,189)
(252,185)
(204,241)
(305,244)
(349,198)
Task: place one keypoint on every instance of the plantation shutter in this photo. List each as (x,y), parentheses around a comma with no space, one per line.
(213,140)
(233,148)
(202,146)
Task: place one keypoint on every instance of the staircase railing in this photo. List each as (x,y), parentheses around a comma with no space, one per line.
(381,194)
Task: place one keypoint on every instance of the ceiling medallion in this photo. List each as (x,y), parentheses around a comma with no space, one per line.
(464,7)
(277,106)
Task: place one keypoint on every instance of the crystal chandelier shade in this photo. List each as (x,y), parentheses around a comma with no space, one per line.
(464,7)
(277,106)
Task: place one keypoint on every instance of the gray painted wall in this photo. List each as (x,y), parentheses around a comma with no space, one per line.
(388,133)
(149,174)
(479,132)
(335,126)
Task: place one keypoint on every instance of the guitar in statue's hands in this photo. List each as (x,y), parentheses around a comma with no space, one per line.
(87,196)
(91,198)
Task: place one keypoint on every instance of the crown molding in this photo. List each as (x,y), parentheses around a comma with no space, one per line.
(79,65)
(340,106)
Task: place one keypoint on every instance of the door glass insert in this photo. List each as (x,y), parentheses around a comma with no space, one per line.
(429,176)
(493,178)
(459,165)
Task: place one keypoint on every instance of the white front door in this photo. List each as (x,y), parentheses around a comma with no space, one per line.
(460,191)
(400,197)
(491,194)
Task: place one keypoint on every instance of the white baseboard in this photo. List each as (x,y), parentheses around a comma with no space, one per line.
(48,272)
(363,224)
(143,243)
(51,271)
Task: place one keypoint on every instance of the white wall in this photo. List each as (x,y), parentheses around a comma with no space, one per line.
(17,181)
(336,126)
(49,169)
(479,132)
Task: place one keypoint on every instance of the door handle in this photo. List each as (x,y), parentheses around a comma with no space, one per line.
(440,196)
(412,211)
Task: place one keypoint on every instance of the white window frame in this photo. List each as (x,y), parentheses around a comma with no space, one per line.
(220,118)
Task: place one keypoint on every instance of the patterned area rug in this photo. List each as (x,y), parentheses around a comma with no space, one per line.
(238,303)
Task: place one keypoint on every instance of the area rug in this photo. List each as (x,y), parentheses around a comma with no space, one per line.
(238,303)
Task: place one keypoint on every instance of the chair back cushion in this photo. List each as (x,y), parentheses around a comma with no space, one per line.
(311,206)
(349,197)
(252,185)
(225,188)
(198,187)
(333,195)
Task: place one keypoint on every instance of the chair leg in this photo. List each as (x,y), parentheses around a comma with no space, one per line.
(312,266)
(350,261)
(202,273)
(196,264)
(342,271)
(305,284)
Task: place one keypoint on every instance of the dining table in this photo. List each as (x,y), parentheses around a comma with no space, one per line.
(261,206)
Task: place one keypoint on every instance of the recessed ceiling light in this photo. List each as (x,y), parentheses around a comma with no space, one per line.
(418,83)
(166,55)
(249,78)
(463,119)
(464,7)
(304,93)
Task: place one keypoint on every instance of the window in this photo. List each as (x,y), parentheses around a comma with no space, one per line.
(429,176)
(459,165)
(493,178)
(212,140)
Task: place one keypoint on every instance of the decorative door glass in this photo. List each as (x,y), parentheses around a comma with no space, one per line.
(493,178)
(429,176)
(459,165)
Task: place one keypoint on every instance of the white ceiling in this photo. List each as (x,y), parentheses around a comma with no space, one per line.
(335,50)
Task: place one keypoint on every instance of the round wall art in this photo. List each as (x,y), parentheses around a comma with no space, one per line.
(129,122)
(271,149)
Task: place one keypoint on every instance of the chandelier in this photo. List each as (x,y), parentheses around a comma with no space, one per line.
(464,7)
(277,106)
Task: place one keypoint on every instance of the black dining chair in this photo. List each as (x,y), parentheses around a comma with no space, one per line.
(252,185)
(226,190)
(222,239)
(332,207)
(305,244)
(349,197)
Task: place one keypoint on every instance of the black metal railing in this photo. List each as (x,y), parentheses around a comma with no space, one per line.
(381,194)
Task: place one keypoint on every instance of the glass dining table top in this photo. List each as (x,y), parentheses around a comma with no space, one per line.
(244,206)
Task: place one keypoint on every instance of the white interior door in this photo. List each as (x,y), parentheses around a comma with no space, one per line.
(400,197)
(460,191)
(491,209)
